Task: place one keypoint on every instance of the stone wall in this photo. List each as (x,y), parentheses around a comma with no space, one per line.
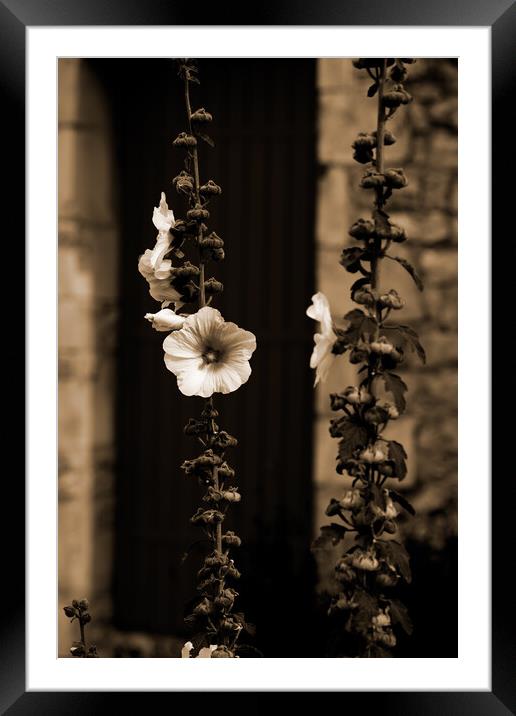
(88,243)
(427,149)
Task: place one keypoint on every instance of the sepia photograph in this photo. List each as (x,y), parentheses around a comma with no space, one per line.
(257,342)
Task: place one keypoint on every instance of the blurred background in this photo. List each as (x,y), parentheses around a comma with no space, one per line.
(283,130)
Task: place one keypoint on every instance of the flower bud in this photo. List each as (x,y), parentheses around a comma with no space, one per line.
(396,96)
(374,453)
(382,346)
(85,618)
(218,254)
(364,560)
(382,619)
(395,178)
(185,140)
(222,652)
(84,604)
(386,468)
(198,214)
(183,183)
(364,297)
(231,495)
(230,539)
(69,611)
(390,409)
(225,472)
(224,440)
(372,180)
(165,320)
(212,241)
(388,137)
(391,299)
(212,286)
(186,271)
(210,188)
(351,499)
(201,115)
(195,427)
(362,229)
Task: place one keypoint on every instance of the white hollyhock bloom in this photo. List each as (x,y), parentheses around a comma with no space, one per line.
(322,358)
(163,217)
(209,355)
(165,320)
(204,653)
(152,265)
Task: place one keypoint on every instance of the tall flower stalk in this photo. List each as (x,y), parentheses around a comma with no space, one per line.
(207,355)
(365,613)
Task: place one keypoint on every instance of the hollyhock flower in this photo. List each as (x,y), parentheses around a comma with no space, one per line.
(165,320)
(152,265)
(204,653)
(209,355)
(322,357)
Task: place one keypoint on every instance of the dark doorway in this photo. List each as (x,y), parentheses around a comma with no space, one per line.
(264,130)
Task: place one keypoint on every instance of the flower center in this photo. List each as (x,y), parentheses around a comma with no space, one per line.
(210,355)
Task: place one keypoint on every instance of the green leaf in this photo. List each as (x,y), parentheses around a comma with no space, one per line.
(353,434)
(409,268)
(412,339)
(396,555)
(398,455)
(330,535)
(399,615)
(402,501)
(395,385)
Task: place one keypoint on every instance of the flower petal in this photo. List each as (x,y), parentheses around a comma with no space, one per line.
(183,344)
(320,311)
(162,216)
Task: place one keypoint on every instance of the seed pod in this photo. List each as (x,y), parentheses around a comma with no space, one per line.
(210,188)
(212,286)
(218,254)
(183,183)
(185,140)
(212,241)
(230,539)
(391,299)
(362,229)
(201,115)
(388,137)
(395,178)
(372,180)
(198,214)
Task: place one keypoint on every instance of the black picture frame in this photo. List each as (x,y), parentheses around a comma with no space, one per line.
(500,16)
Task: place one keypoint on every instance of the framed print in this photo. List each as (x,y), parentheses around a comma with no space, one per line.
(258,354)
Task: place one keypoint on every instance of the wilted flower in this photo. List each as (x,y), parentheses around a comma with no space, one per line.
(209,355)
(322,357)
(152,265)
(165,320)
(204,653)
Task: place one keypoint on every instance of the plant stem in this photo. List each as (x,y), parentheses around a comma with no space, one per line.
(380,134)
(83,638)
(195,161)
